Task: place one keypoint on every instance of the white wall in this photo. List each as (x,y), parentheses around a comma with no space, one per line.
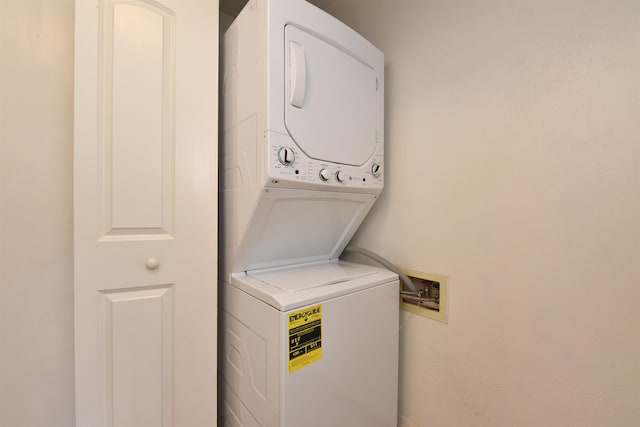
(513,136)
(36,253)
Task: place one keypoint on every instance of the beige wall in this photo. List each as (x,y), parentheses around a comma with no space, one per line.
(36,253)
(513,166)
(513,136)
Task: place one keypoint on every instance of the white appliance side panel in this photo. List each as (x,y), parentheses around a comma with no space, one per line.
(243,64)
(231,410)
(330,106)
(243,118)
(239,193)
(249,352)
(355,383)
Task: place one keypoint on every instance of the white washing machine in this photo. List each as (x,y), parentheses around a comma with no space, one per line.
(305,339)
(297,351)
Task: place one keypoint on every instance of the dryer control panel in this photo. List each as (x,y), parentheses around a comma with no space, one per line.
(290,166)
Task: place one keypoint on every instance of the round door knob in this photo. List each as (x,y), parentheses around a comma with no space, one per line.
(286,156)
(341,176)
(152,263)
(376,170)
(324,175)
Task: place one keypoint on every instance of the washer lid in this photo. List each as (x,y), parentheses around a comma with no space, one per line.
(293,279)
(331,100)
(272,293)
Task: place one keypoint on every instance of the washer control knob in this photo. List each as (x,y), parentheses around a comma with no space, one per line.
(324,174)
(376,170)
(341,176)
(286,156)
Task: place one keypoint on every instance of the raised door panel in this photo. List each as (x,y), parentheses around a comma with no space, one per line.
(145,220)
(136,355)
(137,44)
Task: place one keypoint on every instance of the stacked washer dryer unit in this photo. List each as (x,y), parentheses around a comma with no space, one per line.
(305,339)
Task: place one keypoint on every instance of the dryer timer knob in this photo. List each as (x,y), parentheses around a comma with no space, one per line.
(376,170)
(341,176)
(286,156)
(324,175)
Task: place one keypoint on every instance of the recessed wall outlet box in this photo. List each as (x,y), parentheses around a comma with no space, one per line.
(432,296)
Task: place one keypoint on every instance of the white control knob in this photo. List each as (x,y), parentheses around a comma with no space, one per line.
(286,156)
(341,176)
(376,170)
(324,174)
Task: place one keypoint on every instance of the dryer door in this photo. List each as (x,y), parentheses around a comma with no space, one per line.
(330,100)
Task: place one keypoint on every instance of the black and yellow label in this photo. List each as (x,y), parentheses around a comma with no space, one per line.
(305,337)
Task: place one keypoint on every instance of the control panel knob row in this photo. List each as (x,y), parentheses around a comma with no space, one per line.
(286,156)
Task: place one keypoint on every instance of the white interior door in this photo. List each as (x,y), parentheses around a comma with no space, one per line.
(331,99)
(145,180)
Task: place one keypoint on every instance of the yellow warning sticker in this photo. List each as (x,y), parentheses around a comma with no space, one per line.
(305,337)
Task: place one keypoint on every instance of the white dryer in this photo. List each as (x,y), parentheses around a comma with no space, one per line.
(306,339)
